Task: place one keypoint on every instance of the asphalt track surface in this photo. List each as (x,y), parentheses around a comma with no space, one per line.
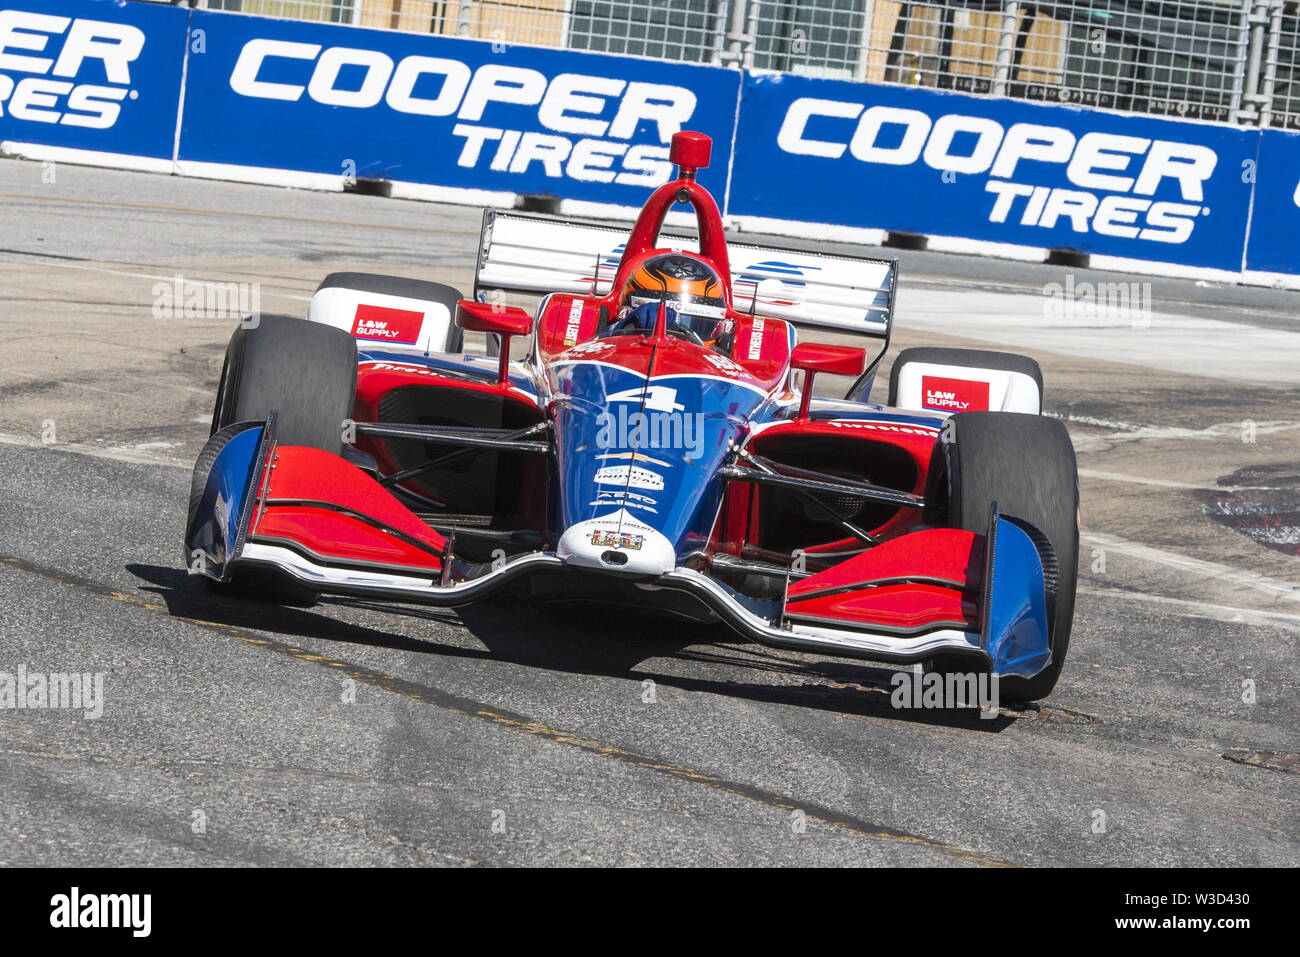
(511,734)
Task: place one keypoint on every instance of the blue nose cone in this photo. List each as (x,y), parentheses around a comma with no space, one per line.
(646,446)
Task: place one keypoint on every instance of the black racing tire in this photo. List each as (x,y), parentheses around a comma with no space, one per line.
(970,358)
(1026,464)
(304,372)
(405,289)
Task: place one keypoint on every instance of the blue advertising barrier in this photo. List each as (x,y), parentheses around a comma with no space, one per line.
(107,77)
(947,164)
(445,111)
(1275,222)
(91,75)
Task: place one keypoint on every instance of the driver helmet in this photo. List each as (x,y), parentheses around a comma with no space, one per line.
(689,287)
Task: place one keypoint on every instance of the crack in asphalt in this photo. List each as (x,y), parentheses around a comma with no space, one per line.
(460,704)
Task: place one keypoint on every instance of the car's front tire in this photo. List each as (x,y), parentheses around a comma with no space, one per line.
(1026,464)
(304,372)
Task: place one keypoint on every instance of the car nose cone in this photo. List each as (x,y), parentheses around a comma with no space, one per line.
(617,542)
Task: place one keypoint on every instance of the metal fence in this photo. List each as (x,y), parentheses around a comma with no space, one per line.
(1227,60)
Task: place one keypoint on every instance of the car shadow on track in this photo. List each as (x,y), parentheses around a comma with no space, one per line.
(535,635)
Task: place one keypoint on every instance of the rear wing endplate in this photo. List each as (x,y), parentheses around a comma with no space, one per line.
(522,253)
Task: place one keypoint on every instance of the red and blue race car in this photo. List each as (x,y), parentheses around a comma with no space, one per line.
(659,445)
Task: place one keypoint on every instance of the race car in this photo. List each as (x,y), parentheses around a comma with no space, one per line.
(659,445)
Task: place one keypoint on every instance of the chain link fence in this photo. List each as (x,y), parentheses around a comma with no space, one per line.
(1232,61)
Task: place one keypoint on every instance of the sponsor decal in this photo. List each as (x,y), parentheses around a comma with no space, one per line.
(593,348)
(390,325)
(43,58)
(658,398)
(953,395)
(1113,178)
(411,367)
(590,120)
(635,457)
(723,364)
(626,499)
(631,476)
(602,539)
(756,339)
(880,427)
(575,323)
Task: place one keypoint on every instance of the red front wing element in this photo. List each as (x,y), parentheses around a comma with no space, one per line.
(924,580)
(330,511)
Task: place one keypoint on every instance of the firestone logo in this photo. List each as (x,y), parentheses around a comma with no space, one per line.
(1116,176)
(38,77)
(585,142)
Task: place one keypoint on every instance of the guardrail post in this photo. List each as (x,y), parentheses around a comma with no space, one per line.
(721,15)
(734,55)
(463,18)
(1006,46)
(864,46)
(1270,62)
(1239,67)
(1249,109)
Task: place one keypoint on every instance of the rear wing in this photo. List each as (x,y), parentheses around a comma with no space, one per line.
(521,253)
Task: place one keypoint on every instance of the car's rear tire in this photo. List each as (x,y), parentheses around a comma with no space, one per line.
(964,358)
(404,288)
(1026,464)
(304,372)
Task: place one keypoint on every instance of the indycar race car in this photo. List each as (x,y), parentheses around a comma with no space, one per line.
(657,446)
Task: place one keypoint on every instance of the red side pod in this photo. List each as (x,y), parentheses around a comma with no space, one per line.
(917,582)
(337,513)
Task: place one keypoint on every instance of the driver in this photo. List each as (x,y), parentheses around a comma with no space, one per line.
(691,289)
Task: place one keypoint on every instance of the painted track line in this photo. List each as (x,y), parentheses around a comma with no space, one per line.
(208,284)
(1140,480)
(120,454)
(1273,587)
(1197,609)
